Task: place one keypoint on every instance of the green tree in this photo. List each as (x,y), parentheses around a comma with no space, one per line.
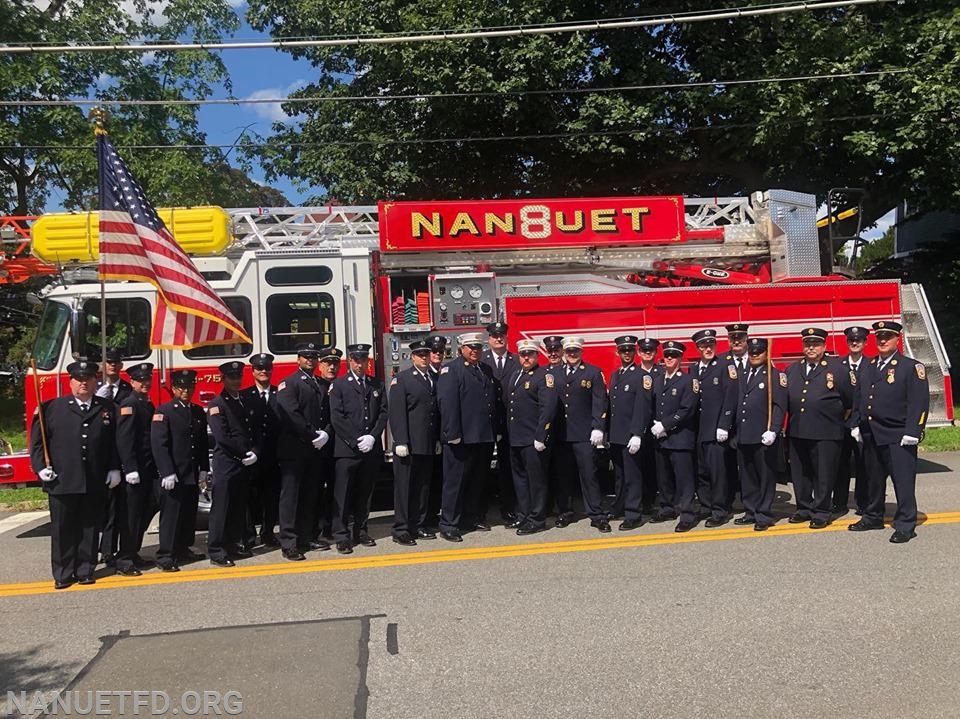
(878,251)
(722,139)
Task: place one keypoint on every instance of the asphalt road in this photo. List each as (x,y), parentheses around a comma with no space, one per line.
(715,623)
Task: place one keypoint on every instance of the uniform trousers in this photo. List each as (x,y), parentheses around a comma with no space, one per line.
(758,480)
(111,521)
(628,480)
(411,491)
(178,521)
(851,458)
(530,469)
(502,478)
(354,480)
(263,503)
(465,467)
(713,489)
(731,466)
(676,480)
(74,532)
(576,459)
(231,488)
(431,517)
(323,514)
(559,487)
(140,506)
(813,468)
(300,485)
(648,469)
(900,464)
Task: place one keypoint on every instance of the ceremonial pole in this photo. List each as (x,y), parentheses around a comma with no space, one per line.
(100,117)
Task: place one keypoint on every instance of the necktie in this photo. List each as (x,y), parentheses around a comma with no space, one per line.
(265,396)
(702,369)
(569,370)
(84,407)
(750,376)
(809,369)
(428,379)
(500,364)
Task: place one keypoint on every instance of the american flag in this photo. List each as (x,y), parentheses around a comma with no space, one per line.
(136,245)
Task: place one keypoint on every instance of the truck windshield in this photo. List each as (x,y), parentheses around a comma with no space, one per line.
(53,324)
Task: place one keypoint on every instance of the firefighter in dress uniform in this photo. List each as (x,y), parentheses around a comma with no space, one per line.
(895,399)
(675,428)
(719,383)
(502,363)
(631,413)
(647,351)
(851,456)
(430,521)
(759,434)
(263,506)
(233,424)
(134,417)
(559,490)
(328,368)
(583,393)
(465,395)
(358,412)
(75,456)
(304,410)
(116,389)
(532,404)
(821,411)
(415,429)
(178,440)
(738,337)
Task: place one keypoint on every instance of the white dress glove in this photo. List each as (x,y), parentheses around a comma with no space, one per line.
(114,478)
(855,433)
(454,441)
(249,459)
(321,439)
(169,481)
(596,437)
(47,474)
(438,449)
(132,478)
(658,430)
(499,437)
(768,438)
(722,435)
(538,445)
(401,450)
(633,446)
(365,443)
(908,441)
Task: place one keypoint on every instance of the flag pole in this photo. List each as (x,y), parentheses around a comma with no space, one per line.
(100,117)
(769,384)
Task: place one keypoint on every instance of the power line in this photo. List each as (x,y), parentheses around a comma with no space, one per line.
(451,35)
(456,95)
(459,140)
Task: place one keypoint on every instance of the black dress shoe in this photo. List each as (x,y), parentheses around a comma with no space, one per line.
(270,541)
(628,524)
(426,534)
(344,547)
(743,520)
(319,545)
(602,525)
(365,539)
(241,552)
(222,561)
(798,519)
(481,527)
(840,509)
(661,517)
(191,556)
(131,571)
(684,526)
(818,523)
(864,526)
(515,524)
(562,521)
(898,537)
(65,584)
(108,559)
(525,529)
(405,539)
(294,555)
(509,518)
(141,563)
(761,527)
(715,522)
(452,536)
(168,567)
(89,579)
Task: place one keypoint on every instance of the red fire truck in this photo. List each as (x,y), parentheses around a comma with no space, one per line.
(387,275)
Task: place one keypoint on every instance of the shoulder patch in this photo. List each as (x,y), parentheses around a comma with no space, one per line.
(732,371)
(921,370)
(548,379)
(213,411)
(853,378)
(158,417)
(126,410)
(444,370)
(282,385)
(696,385)
(783,380)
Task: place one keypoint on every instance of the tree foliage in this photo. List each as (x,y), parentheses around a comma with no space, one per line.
(874,132)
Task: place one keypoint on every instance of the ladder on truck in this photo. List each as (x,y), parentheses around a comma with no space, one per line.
(922,341)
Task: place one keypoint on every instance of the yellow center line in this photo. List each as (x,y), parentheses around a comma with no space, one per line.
(336,563)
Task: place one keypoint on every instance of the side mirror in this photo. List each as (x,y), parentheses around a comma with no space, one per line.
(78,332)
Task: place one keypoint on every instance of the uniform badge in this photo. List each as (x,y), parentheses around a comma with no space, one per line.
(444,370)
(626,388)
(105,417)
(526,385)
(376,393)
(548,379)
(281,386)
(891,376)
(696,386)
(732,371)
(158,417)
(673,391)
(213,411)
(921,371)
(586,384)
(716,380)
(125,411)
(647,382)
(783,380)
(829,380)
(853,378)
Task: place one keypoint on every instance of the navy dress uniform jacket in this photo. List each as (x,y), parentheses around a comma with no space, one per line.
(530,397)
(357,410)
(823,404)
(510,365)
(584,396)
(82,445)
(752,404)
(178,439)
(412,410)
(675,406)
(304,408)
(895,400)
(631,403)
(266,420)
(232,423)
(718,397)
(467,399)
(133,436)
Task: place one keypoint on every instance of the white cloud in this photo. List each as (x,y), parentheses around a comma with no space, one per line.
(271,110)
(883,224)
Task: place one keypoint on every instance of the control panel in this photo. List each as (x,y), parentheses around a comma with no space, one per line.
(463,301)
